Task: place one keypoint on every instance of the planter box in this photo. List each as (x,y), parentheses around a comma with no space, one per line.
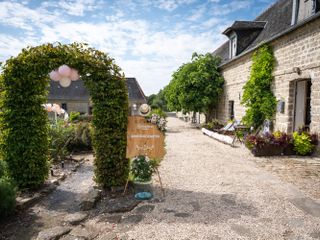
(220,137)
(267,150)
(289,150)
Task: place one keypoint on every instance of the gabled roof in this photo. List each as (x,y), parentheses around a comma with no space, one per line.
(278,20)
(78,92)
(245,25)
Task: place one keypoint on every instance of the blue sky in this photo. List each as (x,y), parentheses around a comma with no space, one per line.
(149,39)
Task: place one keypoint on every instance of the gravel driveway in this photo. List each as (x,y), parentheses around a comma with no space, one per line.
(214,191)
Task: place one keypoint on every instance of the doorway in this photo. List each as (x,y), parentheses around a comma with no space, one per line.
(302,111)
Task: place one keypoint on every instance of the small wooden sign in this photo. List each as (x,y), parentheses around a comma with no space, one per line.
(144,138)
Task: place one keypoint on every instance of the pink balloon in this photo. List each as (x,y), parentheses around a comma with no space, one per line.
(64,70)
(54,76)
(74,75)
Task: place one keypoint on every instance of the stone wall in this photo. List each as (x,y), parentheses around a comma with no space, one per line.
(297,57)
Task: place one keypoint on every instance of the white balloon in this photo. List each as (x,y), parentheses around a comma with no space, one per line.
(54,76)
(65,82)
(64,70)
(74,75)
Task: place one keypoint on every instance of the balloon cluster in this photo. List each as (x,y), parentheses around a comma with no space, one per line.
(64,75)
(56,109)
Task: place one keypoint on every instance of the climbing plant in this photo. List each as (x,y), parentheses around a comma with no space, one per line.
(258,97)
(24,84)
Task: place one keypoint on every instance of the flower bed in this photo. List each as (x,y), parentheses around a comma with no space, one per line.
(278,143)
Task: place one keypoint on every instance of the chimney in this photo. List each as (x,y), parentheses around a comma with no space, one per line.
(295,11)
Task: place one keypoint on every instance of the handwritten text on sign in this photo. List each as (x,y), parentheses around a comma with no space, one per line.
(144,138)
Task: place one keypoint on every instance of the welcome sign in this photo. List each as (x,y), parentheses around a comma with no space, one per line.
(144,138)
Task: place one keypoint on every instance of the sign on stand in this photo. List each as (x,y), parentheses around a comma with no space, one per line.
(144,138)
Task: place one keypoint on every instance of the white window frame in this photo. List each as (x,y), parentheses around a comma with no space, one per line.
(233,47)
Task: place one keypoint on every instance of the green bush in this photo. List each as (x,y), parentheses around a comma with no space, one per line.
(3,168)
(142,168)
(303,143)
(74,116)
(60,135)
(82,139)
(159,112)
(7,197)
(24,129)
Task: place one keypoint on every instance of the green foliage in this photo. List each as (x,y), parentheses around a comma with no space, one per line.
(7,197)
(303,143)
(159,112)
(142,168)
(82,137)
(74,116)
(3,169)
(158,101)
(60,135)
(196,85)
(258,97)
(214,124)
(24,139)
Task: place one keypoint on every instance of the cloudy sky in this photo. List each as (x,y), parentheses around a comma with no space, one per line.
(148,39)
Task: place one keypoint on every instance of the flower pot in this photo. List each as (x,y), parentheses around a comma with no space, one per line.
(142,186)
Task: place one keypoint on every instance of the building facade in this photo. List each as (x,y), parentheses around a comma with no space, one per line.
(292,28)
(76,97)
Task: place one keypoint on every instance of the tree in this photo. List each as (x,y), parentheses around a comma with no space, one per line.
(196,85)
(158,100)
(258,96)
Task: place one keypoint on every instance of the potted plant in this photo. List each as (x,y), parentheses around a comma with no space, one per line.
(142,168)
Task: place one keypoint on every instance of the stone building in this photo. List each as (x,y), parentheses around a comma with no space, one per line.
(292,28)
(76,97)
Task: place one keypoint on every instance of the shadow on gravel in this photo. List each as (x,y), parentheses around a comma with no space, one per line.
(21,226)
(199,207)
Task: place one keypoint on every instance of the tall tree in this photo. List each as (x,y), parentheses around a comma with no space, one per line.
(196,85)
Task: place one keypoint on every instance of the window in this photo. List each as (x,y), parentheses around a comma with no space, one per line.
(64,106)
(231,110)
(233,46)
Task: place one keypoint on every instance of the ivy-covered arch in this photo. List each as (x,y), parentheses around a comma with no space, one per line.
(23,121)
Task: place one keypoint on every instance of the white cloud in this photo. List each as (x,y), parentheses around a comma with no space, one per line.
(138,46)
(78,7)
(20,16)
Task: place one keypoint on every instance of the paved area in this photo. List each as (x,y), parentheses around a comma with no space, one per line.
(218,192)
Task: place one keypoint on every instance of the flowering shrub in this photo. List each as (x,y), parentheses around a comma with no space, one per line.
(302,143)
(161,122)
(142,168)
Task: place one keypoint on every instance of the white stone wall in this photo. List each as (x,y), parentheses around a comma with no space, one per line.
(298,49)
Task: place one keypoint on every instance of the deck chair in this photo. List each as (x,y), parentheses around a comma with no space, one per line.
(228,127)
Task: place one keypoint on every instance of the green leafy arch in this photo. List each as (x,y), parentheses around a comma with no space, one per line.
(23,121)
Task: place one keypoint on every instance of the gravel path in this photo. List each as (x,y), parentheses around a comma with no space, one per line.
(214,191)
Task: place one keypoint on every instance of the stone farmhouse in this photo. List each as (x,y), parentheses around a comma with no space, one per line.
(76,97)
(292,28)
